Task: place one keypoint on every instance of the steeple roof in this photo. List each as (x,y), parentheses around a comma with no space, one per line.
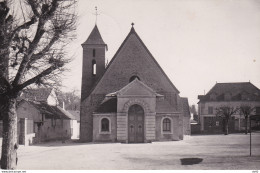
(95,37)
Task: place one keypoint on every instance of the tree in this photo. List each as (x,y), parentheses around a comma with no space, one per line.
(70,99)
(225,112)
(246,110)
(33,36)
(194,112)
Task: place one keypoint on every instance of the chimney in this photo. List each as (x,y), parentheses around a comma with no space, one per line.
(63,105)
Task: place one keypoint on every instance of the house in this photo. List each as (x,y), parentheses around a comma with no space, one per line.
(131,100)
(39,122)
(227,94)
(40,118)
(76,123)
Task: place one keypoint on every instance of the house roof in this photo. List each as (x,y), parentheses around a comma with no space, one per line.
(132,31)
(94,37)
(40,94)
(185,107)
(76,114)
(236,90)
(49,111)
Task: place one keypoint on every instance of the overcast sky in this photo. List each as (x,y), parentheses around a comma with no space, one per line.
(196,42)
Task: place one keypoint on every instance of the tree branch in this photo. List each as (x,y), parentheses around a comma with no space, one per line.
(38,77)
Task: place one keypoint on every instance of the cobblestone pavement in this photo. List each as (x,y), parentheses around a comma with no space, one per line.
(195,152)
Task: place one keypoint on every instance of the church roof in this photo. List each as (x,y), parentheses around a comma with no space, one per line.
(95,37)
(132,31)
(185,107)
(135,84)
(109,106)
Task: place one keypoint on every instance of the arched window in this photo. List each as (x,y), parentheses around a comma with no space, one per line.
(104,125)
(94,52)
(94,67)
(133,78)
(166,125)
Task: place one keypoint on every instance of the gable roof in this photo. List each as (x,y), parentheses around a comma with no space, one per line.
(49,111)
(39,94)
(185,107)
(94,38)
(132,31)
(132,85)
(234,89)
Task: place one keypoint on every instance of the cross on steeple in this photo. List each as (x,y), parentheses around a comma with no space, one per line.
(96,14)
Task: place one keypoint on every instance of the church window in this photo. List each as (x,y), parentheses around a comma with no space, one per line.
(166,125)
(94,67)
(104,125)
(133,78)
(94,52)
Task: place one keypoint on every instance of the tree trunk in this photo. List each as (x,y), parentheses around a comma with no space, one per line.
(246,124)
(226,127)
(9,146)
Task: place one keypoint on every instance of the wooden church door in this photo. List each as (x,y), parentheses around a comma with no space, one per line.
(135,124)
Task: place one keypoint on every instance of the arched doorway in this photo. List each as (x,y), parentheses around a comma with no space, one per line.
(135,124)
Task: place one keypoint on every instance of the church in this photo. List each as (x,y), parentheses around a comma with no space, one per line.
(130,100)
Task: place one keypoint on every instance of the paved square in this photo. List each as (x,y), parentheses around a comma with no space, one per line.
(208,152)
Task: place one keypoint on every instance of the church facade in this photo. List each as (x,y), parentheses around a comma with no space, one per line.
(131,100)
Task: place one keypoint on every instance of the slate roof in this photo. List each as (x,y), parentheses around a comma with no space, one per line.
(95,37)
(49,111)
(40,94)
(109,106)
(236,90)
(132,31)
(185,107)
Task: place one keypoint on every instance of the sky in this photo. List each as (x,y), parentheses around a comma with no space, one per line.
(196,42)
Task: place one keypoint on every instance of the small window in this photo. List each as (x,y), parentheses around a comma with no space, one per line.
(94,68)
(94,52)
(133,78)
(210,110)
(104,125)
(166,125)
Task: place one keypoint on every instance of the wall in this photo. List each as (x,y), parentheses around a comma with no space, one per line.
(51,130)
(99,136)
(236,124)
(165,136)
(75,129)
(25,132)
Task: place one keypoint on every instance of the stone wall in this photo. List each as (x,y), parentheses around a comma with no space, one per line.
(98,135)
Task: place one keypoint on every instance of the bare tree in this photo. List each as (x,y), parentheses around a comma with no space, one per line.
(71,100)
(246,110)
(33,35)
(225,112)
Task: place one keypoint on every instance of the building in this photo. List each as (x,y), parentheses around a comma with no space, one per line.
(227,94)
(131,100)
(40,118)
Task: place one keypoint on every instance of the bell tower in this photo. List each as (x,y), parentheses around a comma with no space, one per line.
(93,61)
